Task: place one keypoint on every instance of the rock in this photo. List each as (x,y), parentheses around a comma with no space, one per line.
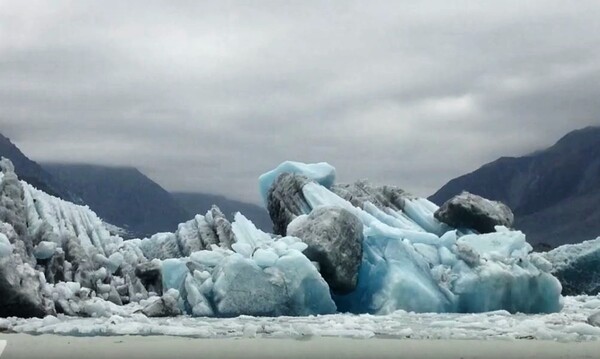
(594,319)
(150,275)
(165,306)
(285,200)
(222,228)
(360,192)
(334,237)
(471,211)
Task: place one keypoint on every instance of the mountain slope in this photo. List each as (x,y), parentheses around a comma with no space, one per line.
(32,173)
(555,193)
(199,203)
(122,196)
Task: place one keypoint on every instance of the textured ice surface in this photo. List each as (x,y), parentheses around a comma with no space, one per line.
(577,266)
(567,326)
(322,173)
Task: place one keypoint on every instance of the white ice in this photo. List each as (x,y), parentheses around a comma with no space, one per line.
(567,326)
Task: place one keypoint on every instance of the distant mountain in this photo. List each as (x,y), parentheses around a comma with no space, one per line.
(554,193)
(199,203)
(122,196)
(32,173)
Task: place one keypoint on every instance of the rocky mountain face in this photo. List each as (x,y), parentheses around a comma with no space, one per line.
(122,196)
(33,173)
(195,203)
(553,193)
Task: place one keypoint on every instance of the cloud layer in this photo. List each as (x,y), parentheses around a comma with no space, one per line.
(205,96)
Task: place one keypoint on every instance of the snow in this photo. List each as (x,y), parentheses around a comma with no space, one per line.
(570,325)
(323,173)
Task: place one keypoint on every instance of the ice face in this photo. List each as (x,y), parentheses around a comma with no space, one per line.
(322,173)
(577,266)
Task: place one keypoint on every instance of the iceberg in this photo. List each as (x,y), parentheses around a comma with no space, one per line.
(260,276)
(413,262)
(353,248)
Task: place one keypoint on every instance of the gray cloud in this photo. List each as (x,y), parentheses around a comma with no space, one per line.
(205,96)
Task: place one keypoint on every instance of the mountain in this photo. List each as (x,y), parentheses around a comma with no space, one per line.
(554,193)
(122,196)
(199,203)
(32,173)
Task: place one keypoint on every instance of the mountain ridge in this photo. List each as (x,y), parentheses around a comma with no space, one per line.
(33,173)
(553,192)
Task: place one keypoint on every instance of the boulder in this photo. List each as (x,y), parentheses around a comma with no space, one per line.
(334,237)
(361,192)
(165,306)
(285,200)
(471,211)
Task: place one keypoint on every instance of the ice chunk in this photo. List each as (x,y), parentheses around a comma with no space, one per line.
(174,271)
(5,247)
(265,257)
(44,250)
(115,260)
(577,266)
(322,173)
(264,276)
(208,258)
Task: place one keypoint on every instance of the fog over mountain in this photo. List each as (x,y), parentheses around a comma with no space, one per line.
(31,172)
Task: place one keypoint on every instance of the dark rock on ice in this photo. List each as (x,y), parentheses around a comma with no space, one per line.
(285,200)
(471,211)
(150,275)
(334,237)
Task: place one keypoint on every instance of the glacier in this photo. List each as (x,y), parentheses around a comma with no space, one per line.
(58,258)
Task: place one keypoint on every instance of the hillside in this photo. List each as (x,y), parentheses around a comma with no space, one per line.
(554,193)
(122,196)
(32,173)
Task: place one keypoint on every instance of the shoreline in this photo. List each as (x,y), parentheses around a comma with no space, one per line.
(50,346)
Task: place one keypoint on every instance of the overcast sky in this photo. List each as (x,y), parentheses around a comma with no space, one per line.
(205,96)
